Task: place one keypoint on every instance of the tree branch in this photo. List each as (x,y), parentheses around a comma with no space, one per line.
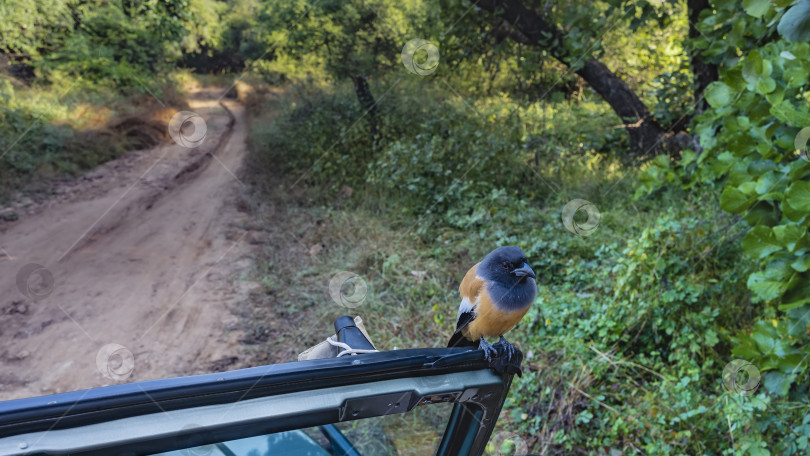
(645,134)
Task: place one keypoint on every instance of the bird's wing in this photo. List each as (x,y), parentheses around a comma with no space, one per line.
(469,289)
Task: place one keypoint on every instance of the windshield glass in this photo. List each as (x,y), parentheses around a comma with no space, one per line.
(414,433)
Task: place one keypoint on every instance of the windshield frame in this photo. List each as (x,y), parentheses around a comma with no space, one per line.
(477,403)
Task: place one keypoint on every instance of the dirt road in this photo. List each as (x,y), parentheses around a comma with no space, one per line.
(146,252)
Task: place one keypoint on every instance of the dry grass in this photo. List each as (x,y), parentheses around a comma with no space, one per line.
(559,400)
(305,246)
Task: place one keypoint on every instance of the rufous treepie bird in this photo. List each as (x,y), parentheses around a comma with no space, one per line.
(495,294)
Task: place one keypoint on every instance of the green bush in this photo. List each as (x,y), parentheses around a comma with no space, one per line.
(633,324)
(751,144)
(437,151)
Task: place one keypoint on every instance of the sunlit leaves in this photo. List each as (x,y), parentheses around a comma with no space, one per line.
(718,94)
(798,196)
(756,8)
(33,28)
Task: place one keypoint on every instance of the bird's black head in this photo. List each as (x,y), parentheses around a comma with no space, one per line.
(506,265)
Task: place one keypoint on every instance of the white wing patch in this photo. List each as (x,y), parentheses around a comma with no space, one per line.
(464,307)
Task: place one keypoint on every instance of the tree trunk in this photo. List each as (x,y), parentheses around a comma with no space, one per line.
(369,105)
(704,73)
(646,136)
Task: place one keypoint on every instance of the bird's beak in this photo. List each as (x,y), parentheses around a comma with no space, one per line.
(524,271)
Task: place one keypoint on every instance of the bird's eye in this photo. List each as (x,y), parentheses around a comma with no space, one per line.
(506,265)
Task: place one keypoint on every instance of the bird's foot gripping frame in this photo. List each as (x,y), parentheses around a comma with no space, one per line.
(503,357)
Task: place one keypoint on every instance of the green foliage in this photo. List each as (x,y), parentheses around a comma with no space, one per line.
(660,293)
(220,36)
(444,153)
(709,262)
(757,109)
(651,59)
(32,28)
(116,44)
(83,62)
(41,135)
(635,324)
(120,45)
(332,39)
(18,116)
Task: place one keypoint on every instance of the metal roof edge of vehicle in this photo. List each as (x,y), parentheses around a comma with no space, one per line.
(77,408)
(201,425)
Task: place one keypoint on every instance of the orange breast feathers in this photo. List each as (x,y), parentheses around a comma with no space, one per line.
(489,320)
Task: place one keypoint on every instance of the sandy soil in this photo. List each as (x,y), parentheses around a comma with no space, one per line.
(148,252)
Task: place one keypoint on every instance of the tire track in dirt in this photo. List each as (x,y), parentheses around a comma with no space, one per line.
(146,252)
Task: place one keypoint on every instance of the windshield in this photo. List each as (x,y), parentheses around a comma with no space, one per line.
(414,433)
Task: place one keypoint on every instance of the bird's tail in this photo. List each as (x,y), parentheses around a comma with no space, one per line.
(458,340)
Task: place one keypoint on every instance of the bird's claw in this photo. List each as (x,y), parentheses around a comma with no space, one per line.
(508,349)
(506,360)
(511,360)
(489,350)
